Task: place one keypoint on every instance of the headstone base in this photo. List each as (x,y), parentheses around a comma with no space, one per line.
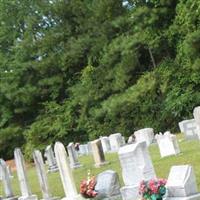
(10,198)
(32,197)
(101,164)
(51,198)
(75,165)
(192,197)
(78,197)
(129,192)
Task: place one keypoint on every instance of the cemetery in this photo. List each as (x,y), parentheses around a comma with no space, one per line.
(100,99)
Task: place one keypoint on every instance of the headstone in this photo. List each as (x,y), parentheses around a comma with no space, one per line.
(108,186)
(146,134)
(51,160)
(73,156)
(131,139)
(9,171)
(196,114)
(167,144)
(136,166)
(181,184)
(189,128)
(89,147)
(98,154)
(83,149)
(22,177)
(116,141)
(6,182)
(105,144)
(65,173)
(123,140)
(41,172)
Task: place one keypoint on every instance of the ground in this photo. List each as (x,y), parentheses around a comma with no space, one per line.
(190,154)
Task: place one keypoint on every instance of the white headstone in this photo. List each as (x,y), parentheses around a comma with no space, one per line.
(105,144)
(116,141)
(22,177)
(65,173)
(51,160)
(83,149)
(108,186)
(73,156)
(181,183)
(136,166)
(6,181)
(167,144)
(196,114)
(98,154)
(189,128)
(146,134)
(41,172)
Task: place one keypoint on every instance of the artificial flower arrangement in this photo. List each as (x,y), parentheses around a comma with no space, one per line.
(87,187)
(153,189)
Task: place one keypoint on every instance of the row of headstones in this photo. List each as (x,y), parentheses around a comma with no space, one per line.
(135,163)
(191,127)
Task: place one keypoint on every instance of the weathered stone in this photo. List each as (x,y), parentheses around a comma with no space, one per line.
(116,141)
(105,144)
(73,156)
(40,168)
(98,154)
(145,134)
(6,181)
(196,114)
(22,177)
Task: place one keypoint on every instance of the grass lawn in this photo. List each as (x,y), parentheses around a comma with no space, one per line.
(190,154)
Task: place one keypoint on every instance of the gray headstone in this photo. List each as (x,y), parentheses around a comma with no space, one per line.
(40,168)
(83,149)
(73,156)
(136,166)
(98,154)
(196,114)
(105,144)
(181,183)
(51,160)
(146,134)
(6,181)
(116,141)
(22,177)
(108,186)
(189,128)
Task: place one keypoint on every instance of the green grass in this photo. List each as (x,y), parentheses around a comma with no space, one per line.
(190,154)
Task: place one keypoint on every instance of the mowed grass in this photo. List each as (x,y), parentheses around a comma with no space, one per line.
(190,154)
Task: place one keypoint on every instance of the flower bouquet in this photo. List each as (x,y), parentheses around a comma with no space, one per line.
(153,189)
(87,187)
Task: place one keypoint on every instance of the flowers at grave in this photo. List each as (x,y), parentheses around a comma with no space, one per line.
(153,189)
(87,187)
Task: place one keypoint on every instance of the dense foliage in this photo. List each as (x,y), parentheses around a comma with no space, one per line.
(74,70)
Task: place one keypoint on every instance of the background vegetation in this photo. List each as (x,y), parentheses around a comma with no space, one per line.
(73,70)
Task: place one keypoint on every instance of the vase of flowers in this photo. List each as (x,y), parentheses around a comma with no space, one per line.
(153,189)
(87,187)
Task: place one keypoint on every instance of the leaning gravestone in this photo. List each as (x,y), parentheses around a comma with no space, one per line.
(146,134)
(196,114)
(116,141)
(65,173)
(73,156)
(181,184)
(136,166)
(22,177)
(189,129)
(167,144)
(98,154)
(41,172)
(105,144)
(6,182)
(108,186)
(51,160)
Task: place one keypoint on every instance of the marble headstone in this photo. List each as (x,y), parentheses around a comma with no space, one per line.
(167,144)
(108,186)
(196,114)
(181,184)
(116,141)
(98,154)
(146,134)
(51,160)
(73,156)
(22,177)
(6,181)
(83,149)
(105,144)
(136,166)
(189,128)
